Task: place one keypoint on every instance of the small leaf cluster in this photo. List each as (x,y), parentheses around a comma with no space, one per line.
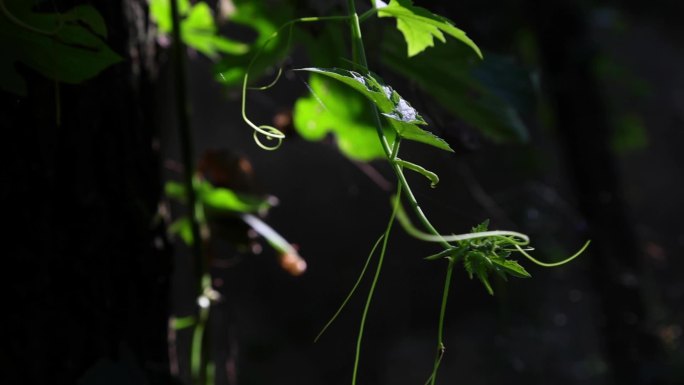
(486,256)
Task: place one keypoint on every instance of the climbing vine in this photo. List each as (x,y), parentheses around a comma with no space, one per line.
(370,120)
(482,253)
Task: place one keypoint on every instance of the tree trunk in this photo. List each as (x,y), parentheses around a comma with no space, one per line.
(89,263)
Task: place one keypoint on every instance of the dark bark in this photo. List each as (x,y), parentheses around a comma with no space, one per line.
(89,259)
(567,53)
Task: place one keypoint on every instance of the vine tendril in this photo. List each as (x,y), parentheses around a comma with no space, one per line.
(353,289)
(552,264)
(514,237)
(269,85)
(269,132)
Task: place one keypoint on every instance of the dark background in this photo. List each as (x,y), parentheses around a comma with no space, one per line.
(92,277)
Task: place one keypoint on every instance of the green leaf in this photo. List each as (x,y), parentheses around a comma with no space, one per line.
(403,118)
(484,226)
(175,190)
(90,17)
(511,267)
(218,198)
(183,228)
(366,85)
(160,11)
(199,31)
(223,199)
(476,264)
(335,109)
(180,323)
(420,26)
(69,48)
(332,108)
(198,28)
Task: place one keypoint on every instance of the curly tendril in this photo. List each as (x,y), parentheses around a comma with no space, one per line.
(269,132)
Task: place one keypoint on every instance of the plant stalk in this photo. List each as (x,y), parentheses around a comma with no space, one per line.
(187,154)
(359,57)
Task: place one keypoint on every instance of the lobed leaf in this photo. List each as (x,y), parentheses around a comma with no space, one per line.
(333,108)
(476,264)
(420,27)
(511,267)
(401,116)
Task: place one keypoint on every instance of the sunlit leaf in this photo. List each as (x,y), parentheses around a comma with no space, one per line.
(198,28)
(332,108)
(401,116)
(160,11)
(420,27)
(223,199)
(218,198)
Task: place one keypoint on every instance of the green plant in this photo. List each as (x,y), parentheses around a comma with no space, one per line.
(370,120)
(482,252)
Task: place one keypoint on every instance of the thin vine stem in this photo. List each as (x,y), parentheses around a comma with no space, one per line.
(364,16)
(359,56)
(374,283)
(353,289)
(514,237)
(440,325)
(359,53)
